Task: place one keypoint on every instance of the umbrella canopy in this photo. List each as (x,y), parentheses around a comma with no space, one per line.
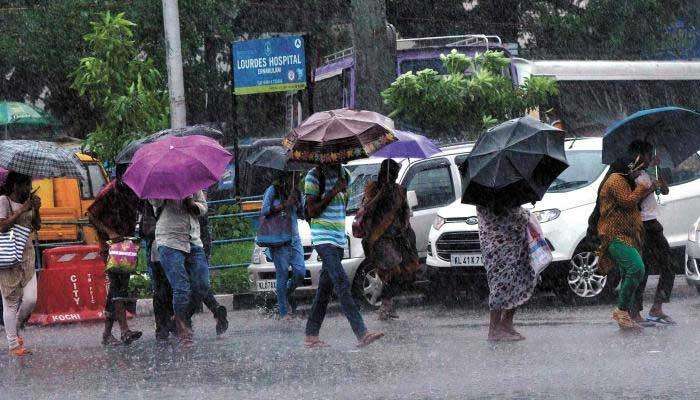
(339,136)
(514,163)
(673,129)
(275,157)
(12,112)
(408,145)
(39,159)
(176,167)
(125,156)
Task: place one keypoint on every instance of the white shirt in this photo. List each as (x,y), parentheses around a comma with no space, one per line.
(649,205)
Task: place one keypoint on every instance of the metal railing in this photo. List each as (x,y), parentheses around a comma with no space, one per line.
(242,214)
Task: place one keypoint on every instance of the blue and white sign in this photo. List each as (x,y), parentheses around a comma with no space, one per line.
(276,64)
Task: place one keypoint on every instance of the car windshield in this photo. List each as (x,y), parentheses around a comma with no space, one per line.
(360,175)
(584,168)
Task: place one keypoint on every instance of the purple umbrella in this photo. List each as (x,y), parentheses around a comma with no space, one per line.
(176,167)
(408,145)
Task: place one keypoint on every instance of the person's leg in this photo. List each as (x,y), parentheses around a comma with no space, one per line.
(390,289)
(280,258)
(332,256)
(494,324)
(319,306)
(296,261)
(162,302)
(29,295)
(631,268)
(173,262)
(198,266)
(10,306)
(108,338)
(507,322)
(121,296)
(667,277)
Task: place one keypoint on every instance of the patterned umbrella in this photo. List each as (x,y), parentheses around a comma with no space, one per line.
(339,136)
(127,153)
(39,159)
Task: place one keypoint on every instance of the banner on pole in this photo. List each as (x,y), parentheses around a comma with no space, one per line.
(277,64)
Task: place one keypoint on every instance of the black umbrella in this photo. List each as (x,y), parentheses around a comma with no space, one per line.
(275,157)
(514,163)
(127,153)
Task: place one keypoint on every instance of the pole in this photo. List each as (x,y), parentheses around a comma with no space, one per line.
(309,75)
(234,127)
(173,54)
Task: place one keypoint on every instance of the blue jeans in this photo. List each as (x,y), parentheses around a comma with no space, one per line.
(188,274)
(283,257)
(333,277)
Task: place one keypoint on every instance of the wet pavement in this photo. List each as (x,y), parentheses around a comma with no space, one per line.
(432,352)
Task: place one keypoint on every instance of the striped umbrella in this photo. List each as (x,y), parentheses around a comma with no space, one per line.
(39,159)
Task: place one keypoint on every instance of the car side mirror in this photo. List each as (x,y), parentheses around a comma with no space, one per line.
(412,199)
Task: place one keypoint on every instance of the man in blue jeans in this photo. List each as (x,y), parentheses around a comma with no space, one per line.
(180,247)
(326,201)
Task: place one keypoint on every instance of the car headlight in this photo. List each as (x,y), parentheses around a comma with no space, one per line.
(693,234)
(547,215)
(258,254)
(438,223)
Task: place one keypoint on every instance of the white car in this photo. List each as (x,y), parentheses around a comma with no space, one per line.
(563,212)
(692,256)
(433,183)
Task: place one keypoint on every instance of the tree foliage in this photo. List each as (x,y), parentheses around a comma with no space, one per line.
(125,90)
(474,95)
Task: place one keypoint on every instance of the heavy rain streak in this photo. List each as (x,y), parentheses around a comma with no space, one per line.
(349,199)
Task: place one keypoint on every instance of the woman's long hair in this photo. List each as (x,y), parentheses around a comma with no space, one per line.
(13,179)
(386,187)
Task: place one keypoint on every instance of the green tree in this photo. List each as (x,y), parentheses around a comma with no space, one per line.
(125,90)
(474,95)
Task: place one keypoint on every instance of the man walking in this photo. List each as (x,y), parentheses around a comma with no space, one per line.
(656,252)
(326,201)
(181,253)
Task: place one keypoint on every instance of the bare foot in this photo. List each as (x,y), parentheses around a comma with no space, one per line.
(500,335)
(369,338)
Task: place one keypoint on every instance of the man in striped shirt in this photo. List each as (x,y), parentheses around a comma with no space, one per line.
(326,200)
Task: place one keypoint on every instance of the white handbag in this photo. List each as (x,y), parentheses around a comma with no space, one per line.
(12,244)
(540,252)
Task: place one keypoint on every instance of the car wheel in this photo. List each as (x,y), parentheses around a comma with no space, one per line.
(367,287)
(584,284)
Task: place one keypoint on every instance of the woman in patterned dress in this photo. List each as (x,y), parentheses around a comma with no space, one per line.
(511,279)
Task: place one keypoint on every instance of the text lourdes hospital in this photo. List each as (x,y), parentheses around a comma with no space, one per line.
(263,63)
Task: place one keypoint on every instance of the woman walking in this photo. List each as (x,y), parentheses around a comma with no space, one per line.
(18,285)
(621,231)
(283,199)
(388,240)
(511,279)
(115,214)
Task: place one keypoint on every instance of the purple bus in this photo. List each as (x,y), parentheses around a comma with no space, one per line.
(334,82)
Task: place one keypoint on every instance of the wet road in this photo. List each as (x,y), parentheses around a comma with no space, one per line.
(430,353)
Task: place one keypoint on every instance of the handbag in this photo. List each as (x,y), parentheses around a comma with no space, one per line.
(123,256)
(358,224)
(275,230)
(540,252)
(12,244)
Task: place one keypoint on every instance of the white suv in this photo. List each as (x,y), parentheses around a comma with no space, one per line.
(454,249)
(435,183)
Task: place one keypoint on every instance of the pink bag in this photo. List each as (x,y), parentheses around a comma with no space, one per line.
(123,256)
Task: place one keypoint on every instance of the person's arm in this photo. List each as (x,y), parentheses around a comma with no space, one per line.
(36,218)
(268,207)
(318,201)
(623,195)
(11,217)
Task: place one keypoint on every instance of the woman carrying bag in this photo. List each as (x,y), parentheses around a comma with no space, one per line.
(389,243)
(19,207)
(279,231)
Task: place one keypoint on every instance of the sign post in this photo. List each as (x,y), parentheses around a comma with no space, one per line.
(276,64)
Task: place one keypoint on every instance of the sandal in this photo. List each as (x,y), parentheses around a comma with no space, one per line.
(110,340)
(625,321)
(130,337)
(369,338)
(661,319)
(20,351)
(315,344)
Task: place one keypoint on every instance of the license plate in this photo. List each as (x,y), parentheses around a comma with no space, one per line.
(467,260)
(267,286)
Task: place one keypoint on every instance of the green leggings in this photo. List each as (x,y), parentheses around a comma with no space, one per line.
(631,268)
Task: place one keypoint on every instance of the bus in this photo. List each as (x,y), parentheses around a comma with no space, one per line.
(594,94)
(335,80)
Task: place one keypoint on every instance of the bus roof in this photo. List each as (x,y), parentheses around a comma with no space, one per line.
(583,70)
